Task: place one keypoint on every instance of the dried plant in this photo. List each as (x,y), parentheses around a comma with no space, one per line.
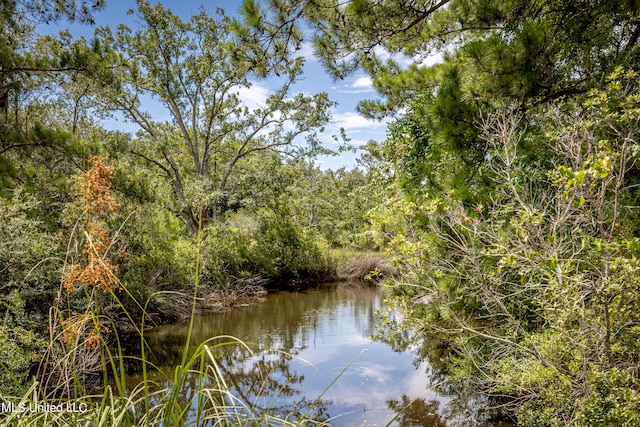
(79,333)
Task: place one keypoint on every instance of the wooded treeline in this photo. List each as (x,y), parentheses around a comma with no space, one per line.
(506,190)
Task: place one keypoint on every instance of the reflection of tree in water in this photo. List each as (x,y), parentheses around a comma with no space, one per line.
(463,410)
(262,377)
(416,413)
(459,412)
(265,380)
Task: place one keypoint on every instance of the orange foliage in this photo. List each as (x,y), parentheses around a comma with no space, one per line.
(75,328)
(98,272)
(95,187)
(95,269)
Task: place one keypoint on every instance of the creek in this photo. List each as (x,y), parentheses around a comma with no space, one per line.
(314,350)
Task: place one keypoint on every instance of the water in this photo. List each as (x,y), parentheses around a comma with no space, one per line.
(314,351)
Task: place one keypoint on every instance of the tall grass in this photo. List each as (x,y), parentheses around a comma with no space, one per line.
(151,403)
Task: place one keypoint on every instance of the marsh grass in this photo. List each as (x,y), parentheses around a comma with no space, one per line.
(363,266)
(173,402)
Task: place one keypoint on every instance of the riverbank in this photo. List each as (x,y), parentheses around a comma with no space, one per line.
(171,306)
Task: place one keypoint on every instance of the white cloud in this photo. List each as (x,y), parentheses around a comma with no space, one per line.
(352,122)
(400,58)
(253,97)
(364,82)
(306,51)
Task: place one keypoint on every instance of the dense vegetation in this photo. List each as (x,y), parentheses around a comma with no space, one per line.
(506,189)
(511,175)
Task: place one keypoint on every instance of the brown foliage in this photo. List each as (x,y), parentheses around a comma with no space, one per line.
(76,328)
(97,272)
(95,188)
(81,332)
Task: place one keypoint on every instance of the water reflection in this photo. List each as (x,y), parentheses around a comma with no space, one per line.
(300,342)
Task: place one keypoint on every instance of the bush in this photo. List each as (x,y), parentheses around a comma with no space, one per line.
(29,254)
(271,244)
(539,289)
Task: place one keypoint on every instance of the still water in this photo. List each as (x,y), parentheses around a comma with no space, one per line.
(313,350)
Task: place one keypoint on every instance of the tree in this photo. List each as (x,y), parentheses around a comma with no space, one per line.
(17,60)
(516,48)
(32,133)
(194,71)
(536,291)
(513,175)
(46,11)
(493,53)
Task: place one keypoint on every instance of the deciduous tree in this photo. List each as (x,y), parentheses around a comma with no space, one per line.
(193,70)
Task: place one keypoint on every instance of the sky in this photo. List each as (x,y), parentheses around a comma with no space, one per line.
(347,93)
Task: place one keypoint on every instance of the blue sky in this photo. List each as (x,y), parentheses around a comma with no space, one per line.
(346,92)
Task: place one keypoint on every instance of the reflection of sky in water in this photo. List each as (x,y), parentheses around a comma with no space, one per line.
(303,342)
(376,373)
(339,346)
